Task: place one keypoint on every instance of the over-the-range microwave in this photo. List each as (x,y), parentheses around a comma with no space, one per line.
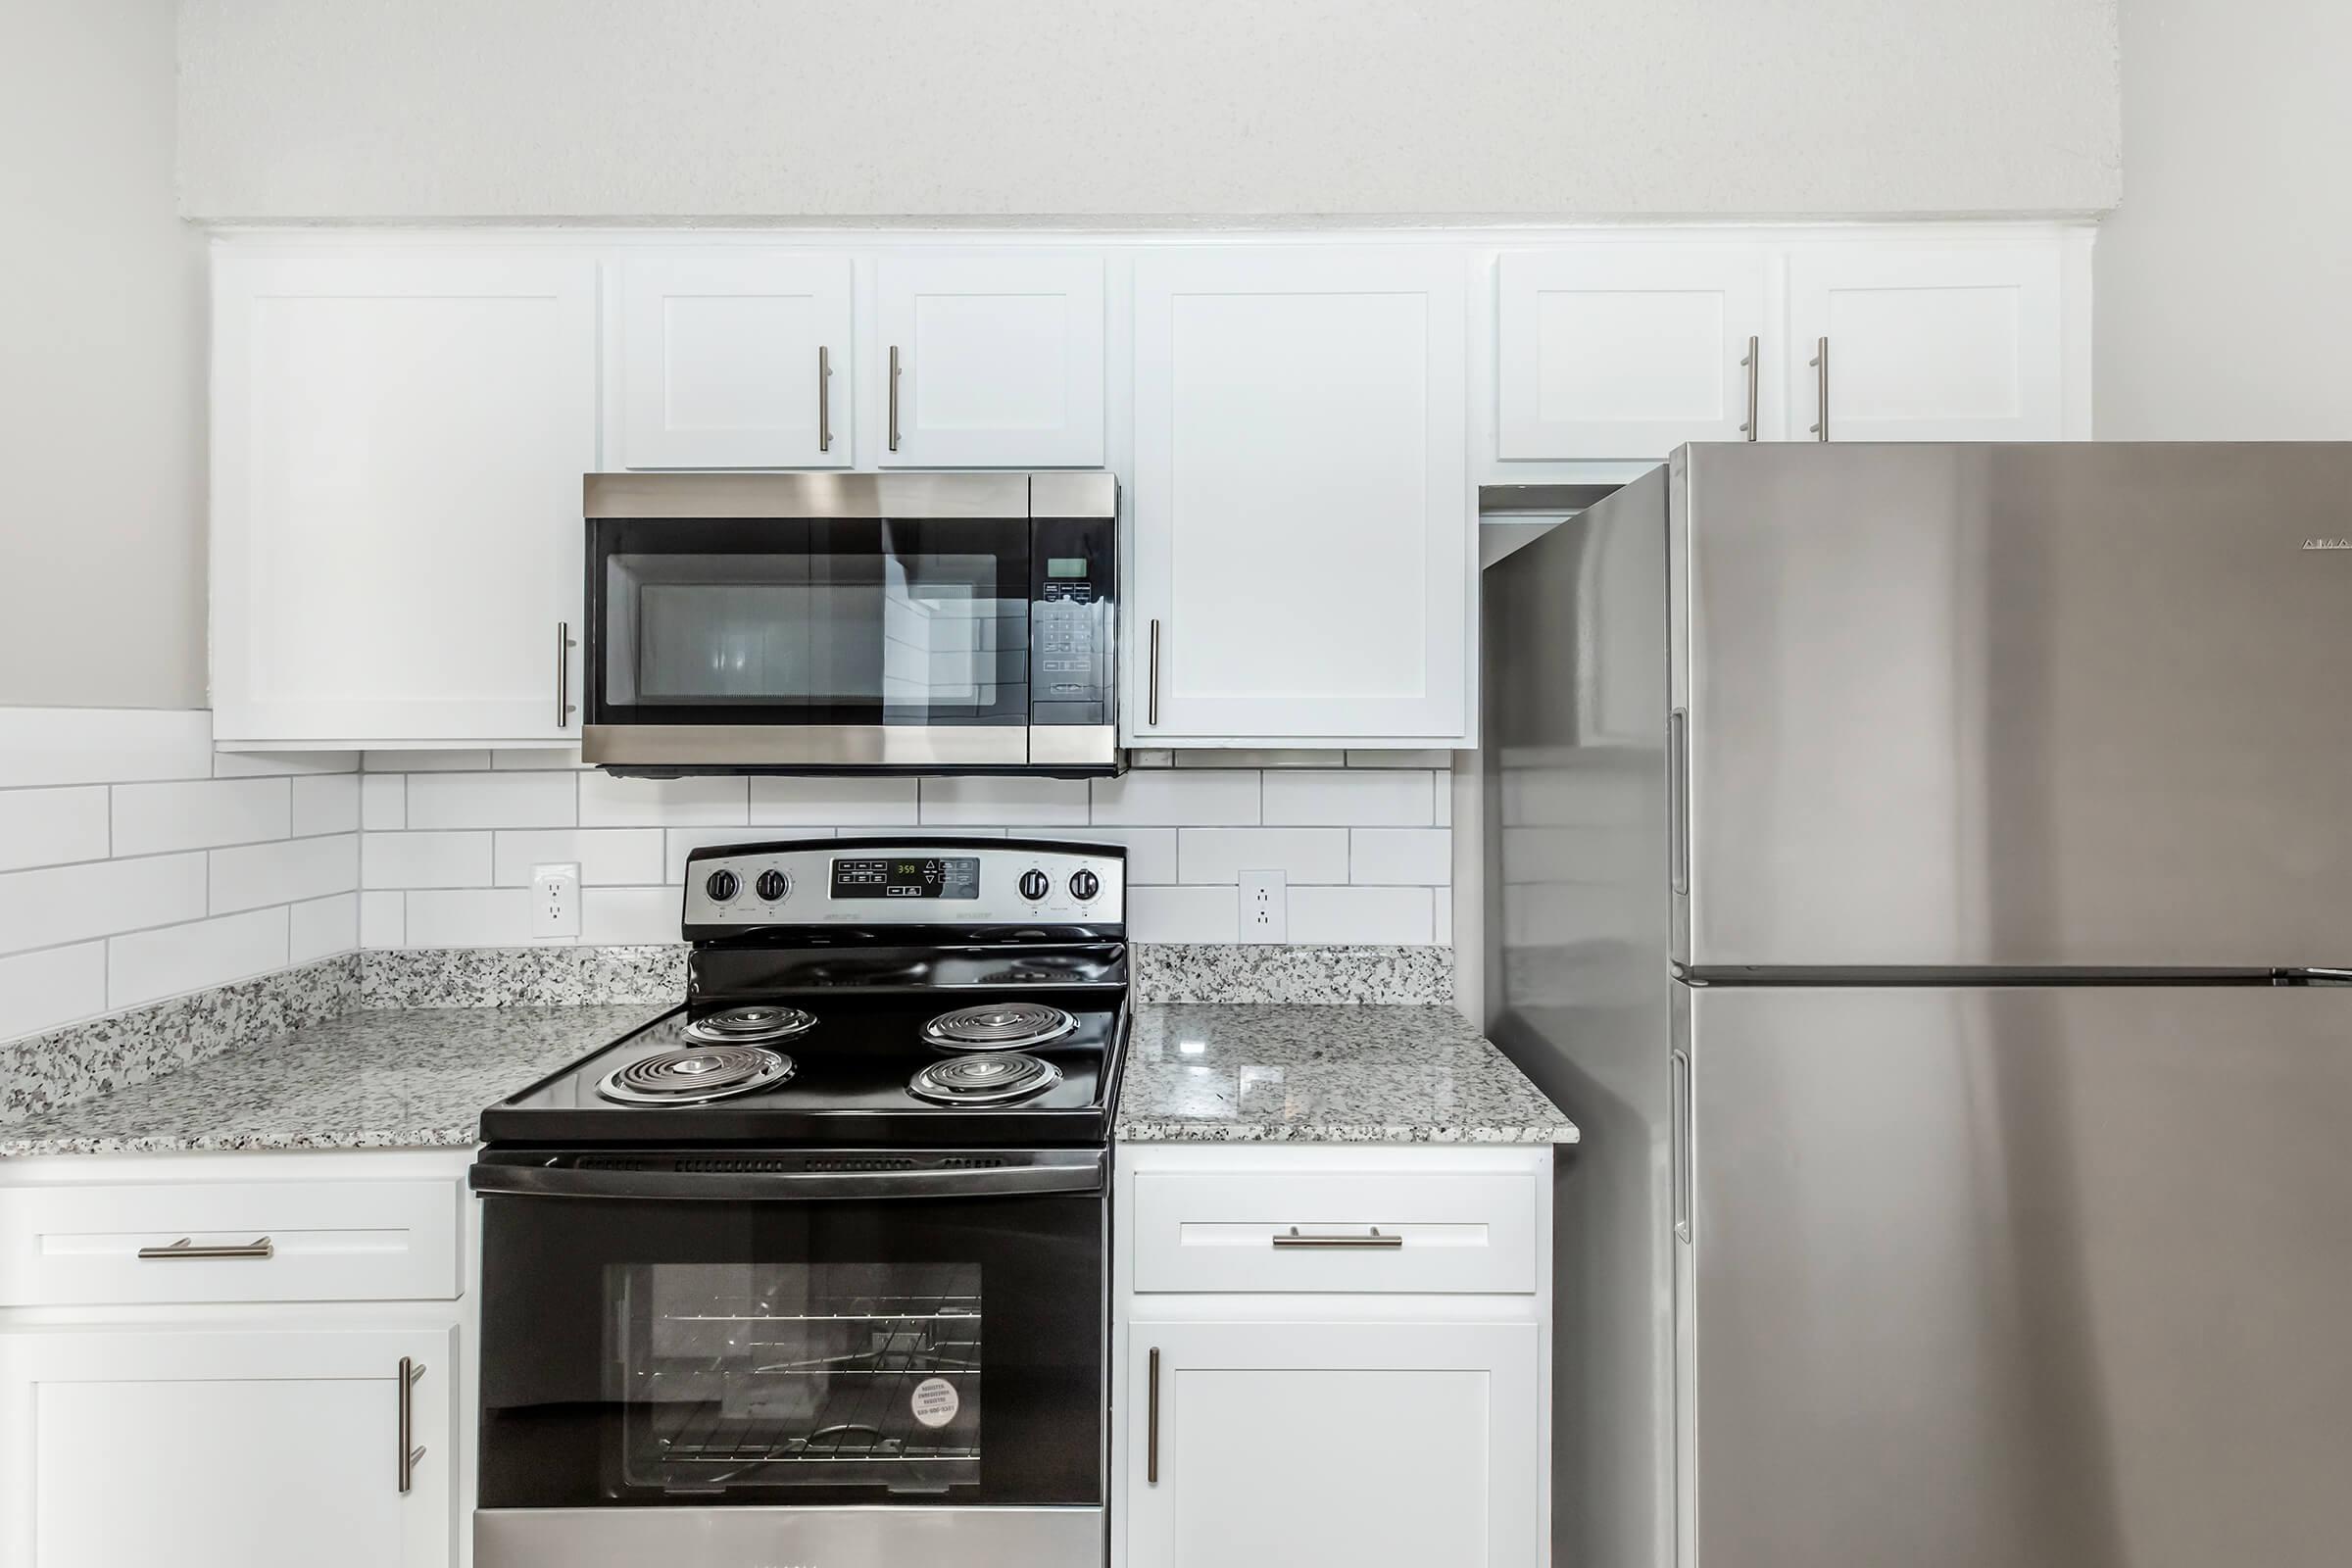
(868,623)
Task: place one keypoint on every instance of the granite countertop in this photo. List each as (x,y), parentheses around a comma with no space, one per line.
(1364,1074)
(384,1078)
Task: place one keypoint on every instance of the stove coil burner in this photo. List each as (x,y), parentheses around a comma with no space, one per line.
(695,1075)
(758,1024)
(998,1026)
(988,1080)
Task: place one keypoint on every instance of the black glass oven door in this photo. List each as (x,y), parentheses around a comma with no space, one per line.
(857,622)
(906,1351)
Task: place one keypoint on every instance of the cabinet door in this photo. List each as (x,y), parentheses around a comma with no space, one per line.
(1379,1445)
(1302,511)
(734,362)
(1953,342)
(1627,351)
(247,1449)
(397,452)
(998,361)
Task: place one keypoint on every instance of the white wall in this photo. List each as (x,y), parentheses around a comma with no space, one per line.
(866,109)
(2225,280)
(101,364)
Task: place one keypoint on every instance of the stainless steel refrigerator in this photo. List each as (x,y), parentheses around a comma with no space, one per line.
(1918,869)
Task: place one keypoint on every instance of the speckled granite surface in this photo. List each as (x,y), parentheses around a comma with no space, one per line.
(1171,971)
(552,977)
(1228,1074)
(44,1071)
(386,1078)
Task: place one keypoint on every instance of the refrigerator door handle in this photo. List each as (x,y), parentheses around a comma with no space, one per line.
(1677,804)
(1680,1151)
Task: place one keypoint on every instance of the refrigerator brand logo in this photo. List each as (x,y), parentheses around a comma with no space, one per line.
(2327,544)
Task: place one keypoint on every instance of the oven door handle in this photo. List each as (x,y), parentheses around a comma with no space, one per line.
(1080,1171)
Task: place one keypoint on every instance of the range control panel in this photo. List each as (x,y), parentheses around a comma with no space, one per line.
(871,882)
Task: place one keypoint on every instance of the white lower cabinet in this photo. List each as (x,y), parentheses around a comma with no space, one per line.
(240,1447)
(1332,1353)
(201,1360)
(1375,1444)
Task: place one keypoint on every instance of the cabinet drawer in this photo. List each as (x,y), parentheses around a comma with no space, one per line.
(313,1240)
(1344,1231)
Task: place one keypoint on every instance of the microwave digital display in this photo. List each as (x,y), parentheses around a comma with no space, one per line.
(908,877)
(1066,566)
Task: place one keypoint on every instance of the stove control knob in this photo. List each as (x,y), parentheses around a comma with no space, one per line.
(722,886)
(1083,885)
(773,884)
(1035,885)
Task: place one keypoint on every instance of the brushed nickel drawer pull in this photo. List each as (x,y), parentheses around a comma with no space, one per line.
(1294,1239)
(1152,709)
(1821,388)
(1751,365)
(563,647)
(893,397)
(260,1246)
(410,1372)
(824,398)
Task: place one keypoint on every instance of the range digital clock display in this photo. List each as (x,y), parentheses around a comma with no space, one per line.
(908,877)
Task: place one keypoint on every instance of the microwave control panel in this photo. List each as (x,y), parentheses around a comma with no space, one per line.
(1070,621)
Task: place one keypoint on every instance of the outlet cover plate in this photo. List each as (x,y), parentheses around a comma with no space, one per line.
(1265,905)
(555,900)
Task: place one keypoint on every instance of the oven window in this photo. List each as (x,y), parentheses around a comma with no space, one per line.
(903,1353)
(813,622)
(748,1377)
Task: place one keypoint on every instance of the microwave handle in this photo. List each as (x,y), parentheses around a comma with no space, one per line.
(1079,1171)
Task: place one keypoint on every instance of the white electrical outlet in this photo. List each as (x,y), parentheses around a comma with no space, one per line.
(556,900)
(1265,902)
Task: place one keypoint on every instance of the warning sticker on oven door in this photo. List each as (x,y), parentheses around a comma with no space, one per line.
(935,1402)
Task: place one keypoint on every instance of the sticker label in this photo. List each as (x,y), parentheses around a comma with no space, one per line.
(935,1402)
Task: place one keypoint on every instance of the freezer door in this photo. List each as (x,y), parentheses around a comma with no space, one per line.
(2070,705)
(2036,1277)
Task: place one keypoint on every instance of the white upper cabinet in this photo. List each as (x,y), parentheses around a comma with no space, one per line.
(1926,341)
(988,362)
(1302,511)
(732,361)
(398,442)
(1628,350)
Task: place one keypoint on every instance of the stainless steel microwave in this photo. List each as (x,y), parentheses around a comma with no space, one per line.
(870,622)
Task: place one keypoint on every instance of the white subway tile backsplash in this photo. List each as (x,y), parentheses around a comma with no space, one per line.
(1324,916)
(1151,851)
(150,965)
(427,761)
(1012,801)
(323,927)
(103,744)
(1444,903)
(1178,798)
(73,903)
(1185,915)
(428,859)
(52,826)
(383,919)
(1223,853)
(157,818)
(261,874)
(609,801)
(56,986)
(608,857)
(1420,855)
(494,799)
(684,841)
(270,764)
(383,802)
(846,801)
(468,918)
(1352,797)
(629,914)
(326,804)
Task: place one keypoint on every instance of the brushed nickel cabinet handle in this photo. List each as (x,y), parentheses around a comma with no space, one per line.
(259,1248)
(410,1372)
(563,647)
(824,398)
(893,397)
(1749,364)
(1294,1239)
(1679,1154)
(1151,1423)
(1821,387)
(1152,709)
